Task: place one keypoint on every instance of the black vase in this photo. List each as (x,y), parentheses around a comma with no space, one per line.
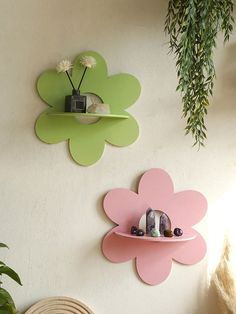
(75,102)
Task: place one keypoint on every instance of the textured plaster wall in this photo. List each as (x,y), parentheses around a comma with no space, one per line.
(50,208)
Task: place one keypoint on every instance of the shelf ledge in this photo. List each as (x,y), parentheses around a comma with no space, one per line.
(87,115)
(184,237)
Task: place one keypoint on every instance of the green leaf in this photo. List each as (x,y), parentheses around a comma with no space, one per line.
(7,309)
(3,245)
(2,301)
(11,273)
(3,310)
(6,297)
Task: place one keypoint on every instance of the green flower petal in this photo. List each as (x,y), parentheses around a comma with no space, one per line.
(120,91)
(86,151)
(86,142)
(55,129)
(53,87)
(123,133)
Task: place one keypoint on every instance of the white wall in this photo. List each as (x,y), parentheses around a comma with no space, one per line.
(51,213)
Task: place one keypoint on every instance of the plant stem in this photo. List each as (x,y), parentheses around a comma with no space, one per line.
(70,80)
(81,80)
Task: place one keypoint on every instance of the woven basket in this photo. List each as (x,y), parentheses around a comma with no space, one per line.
(59,305)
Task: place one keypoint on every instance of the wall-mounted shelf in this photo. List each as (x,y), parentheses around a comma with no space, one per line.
(154,255)
(183,238)
(88,115)
(87,133)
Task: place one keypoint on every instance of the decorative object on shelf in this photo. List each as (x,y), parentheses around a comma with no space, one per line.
(64,67)
(152,221)
(165,223)
(155,233)
(157,224)
(59,305)
(7,305)
(133,230)
(99,108)
(193,27)
(178,232)
(168,233)
(74,102)
(157,220)
(154,255)
(140,233)
(87,141)
(88,62)
(137,232)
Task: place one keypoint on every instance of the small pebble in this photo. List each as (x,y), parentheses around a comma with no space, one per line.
(168,233)
(155,233)
(178,232)
(140,233)
(133,230)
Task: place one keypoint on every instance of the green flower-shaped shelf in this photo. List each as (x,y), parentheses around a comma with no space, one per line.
(87,141)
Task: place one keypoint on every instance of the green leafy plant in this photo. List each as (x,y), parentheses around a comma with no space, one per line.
(7,305)
(192,26)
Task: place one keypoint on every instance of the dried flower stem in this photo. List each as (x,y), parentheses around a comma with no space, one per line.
(81,80)
(68,75)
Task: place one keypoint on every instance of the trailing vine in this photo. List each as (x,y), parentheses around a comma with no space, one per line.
(192,26)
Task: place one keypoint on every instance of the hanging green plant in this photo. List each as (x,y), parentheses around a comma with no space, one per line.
(193,26)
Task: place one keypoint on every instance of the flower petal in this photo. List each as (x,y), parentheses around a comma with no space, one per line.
(156,187)
(86,142)
(186,208)
(50,129)
(118,249)
(120,91)
(53,87)
(190,252)
(124,207)
(122,132)
(86,150)
(154,264)
(93,81)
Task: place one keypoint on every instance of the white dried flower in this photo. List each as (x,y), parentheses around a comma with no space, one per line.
(64,65)
(88,61)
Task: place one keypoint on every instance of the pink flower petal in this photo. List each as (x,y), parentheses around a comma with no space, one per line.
(153,258)
(156,187)
(190,252)
(124,207)
(186,208)
(154,264)
(119,249)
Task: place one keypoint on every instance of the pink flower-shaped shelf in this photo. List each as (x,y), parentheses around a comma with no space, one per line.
(154,255)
